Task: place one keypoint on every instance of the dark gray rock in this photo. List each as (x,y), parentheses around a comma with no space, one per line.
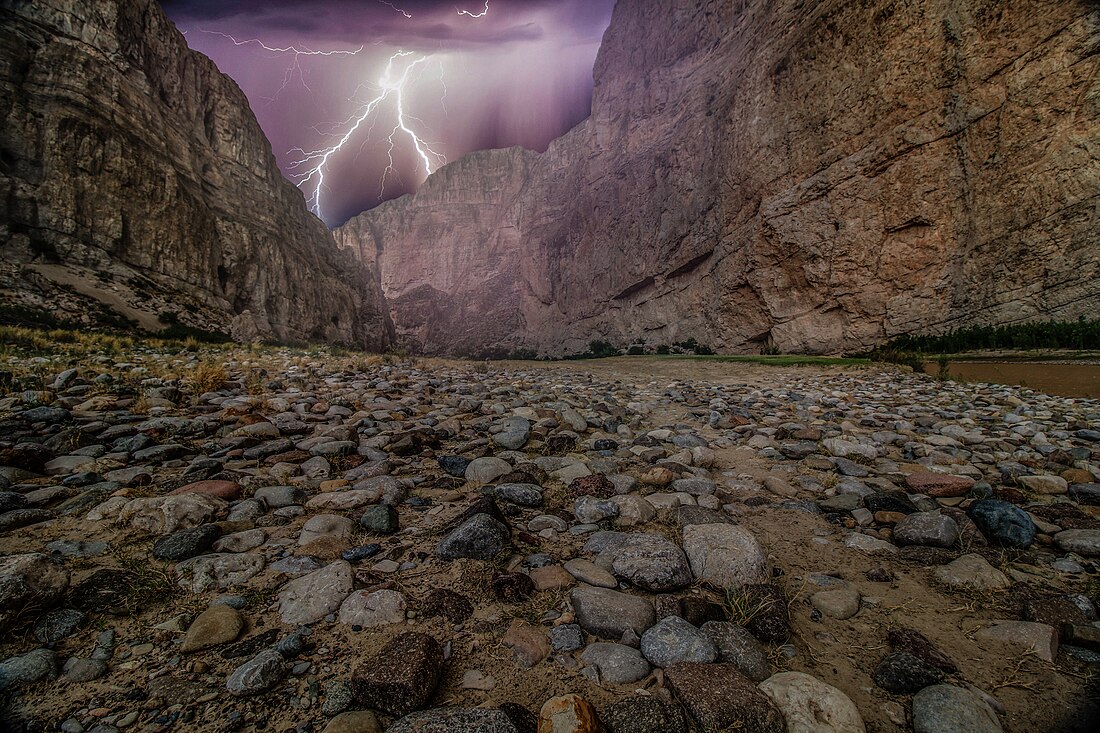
(903,674)
(186,543)
(740,648)
(57,625)
(528,495)
(1002,523)
(380,519)
(27,668)
(672,640)
(480,537)
(644,714)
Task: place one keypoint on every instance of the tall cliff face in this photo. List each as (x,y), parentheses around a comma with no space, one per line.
(133,176)
(821,176)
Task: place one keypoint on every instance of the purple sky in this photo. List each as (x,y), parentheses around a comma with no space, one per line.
(521,74)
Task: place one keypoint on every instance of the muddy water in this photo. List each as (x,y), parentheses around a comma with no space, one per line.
(1069,380)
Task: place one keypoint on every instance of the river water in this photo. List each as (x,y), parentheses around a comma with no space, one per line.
(1066,379)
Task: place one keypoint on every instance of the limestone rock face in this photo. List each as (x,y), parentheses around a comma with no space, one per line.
(135,180)
(817,177)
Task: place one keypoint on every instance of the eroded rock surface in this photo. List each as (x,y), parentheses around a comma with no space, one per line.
(762,172)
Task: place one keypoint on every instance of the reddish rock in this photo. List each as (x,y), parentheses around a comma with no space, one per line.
(402,676)
(569,714)
(720,697)
(595,484)
(938,484)
(528,643)
(228,490)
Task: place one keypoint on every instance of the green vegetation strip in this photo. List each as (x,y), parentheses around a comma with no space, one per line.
(776,360)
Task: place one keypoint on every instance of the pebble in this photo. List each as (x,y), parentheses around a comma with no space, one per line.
(568,714)
(217,625)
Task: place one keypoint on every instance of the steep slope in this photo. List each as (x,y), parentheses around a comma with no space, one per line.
(821,176)
(135,179)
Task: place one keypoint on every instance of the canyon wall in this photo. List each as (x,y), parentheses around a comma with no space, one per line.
(818,176)
(135,181)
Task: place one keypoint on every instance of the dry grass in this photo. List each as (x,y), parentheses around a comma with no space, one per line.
(208,376)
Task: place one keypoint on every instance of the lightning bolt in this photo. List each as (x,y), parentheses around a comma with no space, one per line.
(403,12)
(309,169)
(296,62)
(482,14)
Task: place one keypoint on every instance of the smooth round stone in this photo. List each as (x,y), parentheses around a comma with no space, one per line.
(355,721)
(27,668)
(277,497)
(608,613)
(218,624)
(950,709)
(547,521)
(1085,542)
(486,469)
(615,664)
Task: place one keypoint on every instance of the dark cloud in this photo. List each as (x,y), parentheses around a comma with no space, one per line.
(520,75)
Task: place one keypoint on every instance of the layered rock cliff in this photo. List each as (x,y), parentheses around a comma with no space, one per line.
(818,176)
(135,180)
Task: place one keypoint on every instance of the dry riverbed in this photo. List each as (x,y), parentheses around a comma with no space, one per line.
(222,539)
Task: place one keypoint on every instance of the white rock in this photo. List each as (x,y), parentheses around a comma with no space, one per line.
(205,572)
(310,598)
(373,609)
(812,706)
(168,514)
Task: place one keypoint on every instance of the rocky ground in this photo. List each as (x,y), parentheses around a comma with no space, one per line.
(256,539)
